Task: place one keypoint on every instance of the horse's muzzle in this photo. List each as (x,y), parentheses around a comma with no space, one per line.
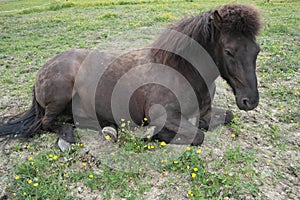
(246,103)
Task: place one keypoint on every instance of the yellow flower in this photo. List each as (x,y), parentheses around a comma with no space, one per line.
(35,184)
(24,193)
(282,110)
(91,176)
(190,193)
(64,174)
(164,160)
(175,162)
(148,136)
(193,175)
(269,161)
(83,164)
(30,159)
(163,143)
(28,146)
(123,129)
(81,145)
(17,177)
(122,120)
(188,148)
(233,135)
(107,137)
(151,146)
(145,119)
(123,125)
(195,169)
(55,157)
(198,151)
(188,167)
(29,181)
(50,156)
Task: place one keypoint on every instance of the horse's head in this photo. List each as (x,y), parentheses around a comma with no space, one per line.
(240,55)
(238,51)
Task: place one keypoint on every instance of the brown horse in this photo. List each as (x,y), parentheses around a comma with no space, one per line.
(164,86)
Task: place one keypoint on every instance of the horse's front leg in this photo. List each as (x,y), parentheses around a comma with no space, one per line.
(215,117)
(177,130)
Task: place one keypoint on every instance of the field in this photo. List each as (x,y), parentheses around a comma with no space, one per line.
(256,157)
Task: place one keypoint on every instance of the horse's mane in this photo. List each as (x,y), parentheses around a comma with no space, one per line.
(198,28)
(236,19)
(240,19)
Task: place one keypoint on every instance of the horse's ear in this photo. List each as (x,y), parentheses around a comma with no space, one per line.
(217,19)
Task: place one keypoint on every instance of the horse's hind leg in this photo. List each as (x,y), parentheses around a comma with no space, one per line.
(63,130)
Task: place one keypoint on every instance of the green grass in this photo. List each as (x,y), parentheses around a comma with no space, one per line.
(252,157)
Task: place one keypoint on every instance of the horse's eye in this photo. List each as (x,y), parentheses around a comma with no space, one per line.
(228,53)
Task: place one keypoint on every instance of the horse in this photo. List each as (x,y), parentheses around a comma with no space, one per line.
(168,86)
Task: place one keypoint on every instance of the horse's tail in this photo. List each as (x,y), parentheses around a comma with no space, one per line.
(23,125)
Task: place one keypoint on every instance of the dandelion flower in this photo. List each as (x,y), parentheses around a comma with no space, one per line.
(233,135)
(64,174)
(28,147)
(122,120)
(91,176)
(145,119)
(83,164)
(193,175)
(282,110)
(50,156)
(175,162)
(107,137)
(198,151)
(269,161)
(148,136)
(188,148)
(195,169)
(29,181)
(17,177)
(81,145)
(55,157)
(35,184)
(123,125)
(30,159)
(188,167)
(24,193)
(190,193)
(163,143)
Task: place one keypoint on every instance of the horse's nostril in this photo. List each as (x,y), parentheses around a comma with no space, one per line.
(246,102)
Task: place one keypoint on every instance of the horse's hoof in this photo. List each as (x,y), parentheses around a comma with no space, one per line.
(198,140)
(110,133)
(64,145)
(229,117)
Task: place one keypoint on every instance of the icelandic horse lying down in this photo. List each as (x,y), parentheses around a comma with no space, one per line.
(169,82)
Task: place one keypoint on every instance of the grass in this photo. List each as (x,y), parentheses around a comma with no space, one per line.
(252,158)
